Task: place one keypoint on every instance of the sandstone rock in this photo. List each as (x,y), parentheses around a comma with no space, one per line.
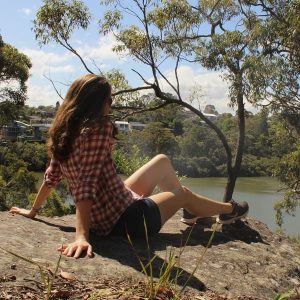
(245,261)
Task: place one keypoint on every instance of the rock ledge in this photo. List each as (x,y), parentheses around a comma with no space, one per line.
(244,260)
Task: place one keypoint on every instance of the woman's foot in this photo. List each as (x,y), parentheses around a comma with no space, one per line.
(239,211)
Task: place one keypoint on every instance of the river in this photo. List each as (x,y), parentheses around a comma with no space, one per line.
(260,192)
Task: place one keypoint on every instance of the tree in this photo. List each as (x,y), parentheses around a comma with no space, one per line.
(14,72)
(217,35)
(288,170)
(156,138)
(285,137)
(174,29)
(16,182)
(275,27)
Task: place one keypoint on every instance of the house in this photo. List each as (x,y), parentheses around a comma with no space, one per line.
(187,114)
(18,130)
(136,126)
(124,126)
(14,130)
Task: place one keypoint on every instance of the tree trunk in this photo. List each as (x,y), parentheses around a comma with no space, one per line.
(233,171)
(230,185)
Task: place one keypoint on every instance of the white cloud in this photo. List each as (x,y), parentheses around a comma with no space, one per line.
(62,69)
(26,11)
(41,95)
(209,85)
(103,51)
(45,62)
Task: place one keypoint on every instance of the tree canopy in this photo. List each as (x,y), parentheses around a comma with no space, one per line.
(244,39)
(14,72)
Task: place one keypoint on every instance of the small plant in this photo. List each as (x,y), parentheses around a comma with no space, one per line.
(291,294)
(165,281)
(47,278)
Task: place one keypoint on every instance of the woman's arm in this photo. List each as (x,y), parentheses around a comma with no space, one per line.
(81,244)
(42,195)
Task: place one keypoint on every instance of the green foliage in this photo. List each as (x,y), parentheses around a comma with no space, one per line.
(288,170)
(16,181)
(157,139)
(195,166)
(14,72)
(34,154)
(256,166)
(15,186)
(8,112)
(119,82)
(197,152)
(54,205)
(289,295)
(57,19)
(18,184)
(126,163)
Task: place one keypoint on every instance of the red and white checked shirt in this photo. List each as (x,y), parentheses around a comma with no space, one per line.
(91,175)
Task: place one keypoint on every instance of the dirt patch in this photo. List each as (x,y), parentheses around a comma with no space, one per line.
(104,289)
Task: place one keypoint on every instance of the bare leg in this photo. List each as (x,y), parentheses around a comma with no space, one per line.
(159,171)
(170,202)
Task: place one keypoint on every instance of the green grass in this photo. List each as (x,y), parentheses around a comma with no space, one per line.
(172,260)
(291,294)
(47,278)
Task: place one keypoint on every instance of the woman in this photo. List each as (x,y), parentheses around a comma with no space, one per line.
(80,146)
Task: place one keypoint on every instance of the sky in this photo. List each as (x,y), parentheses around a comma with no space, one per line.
(16,22)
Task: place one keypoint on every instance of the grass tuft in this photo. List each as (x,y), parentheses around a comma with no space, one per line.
(47,278)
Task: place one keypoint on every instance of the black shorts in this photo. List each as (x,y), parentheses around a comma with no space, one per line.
(140,216)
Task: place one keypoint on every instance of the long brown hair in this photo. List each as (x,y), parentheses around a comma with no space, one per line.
(81,108)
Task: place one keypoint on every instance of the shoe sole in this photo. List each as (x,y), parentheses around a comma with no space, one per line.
(189,222)
(232,220)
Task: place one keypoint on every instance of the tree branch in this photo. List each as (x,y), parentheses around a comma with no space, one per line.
(142,77)
(132,90)
(70,48)
(212,125)
(54,86)
(146,110)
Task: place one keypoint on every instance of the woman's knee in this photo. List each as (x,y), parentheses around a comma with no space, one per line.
(162,158)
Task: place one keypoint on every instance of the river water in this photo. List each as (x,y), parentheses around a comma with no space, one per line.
(260,192)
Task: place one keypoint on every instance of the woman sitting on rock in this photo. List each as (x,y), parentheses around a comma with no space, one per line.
(80,146)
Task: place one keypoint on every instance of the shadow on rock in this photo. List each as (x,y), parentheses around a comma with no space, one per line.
(119,248)
(59,226)
(200,234)
(241,231)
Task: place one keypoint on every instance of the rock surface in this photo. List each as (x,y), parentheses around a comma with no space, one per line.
(245,259)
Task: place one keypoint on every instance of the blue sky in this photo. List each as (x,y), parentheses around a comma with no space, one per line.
(16,18)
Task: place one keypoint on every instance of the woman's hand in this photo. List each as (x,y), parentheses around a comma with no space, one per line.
(23,212)
(76,248)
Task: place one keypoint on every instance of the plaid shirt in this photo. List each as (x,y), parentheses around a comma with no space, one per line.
(91,175)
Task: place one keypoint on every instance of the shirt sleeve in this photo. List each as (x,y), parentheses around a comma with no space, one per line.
(94,150)
(53,174)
